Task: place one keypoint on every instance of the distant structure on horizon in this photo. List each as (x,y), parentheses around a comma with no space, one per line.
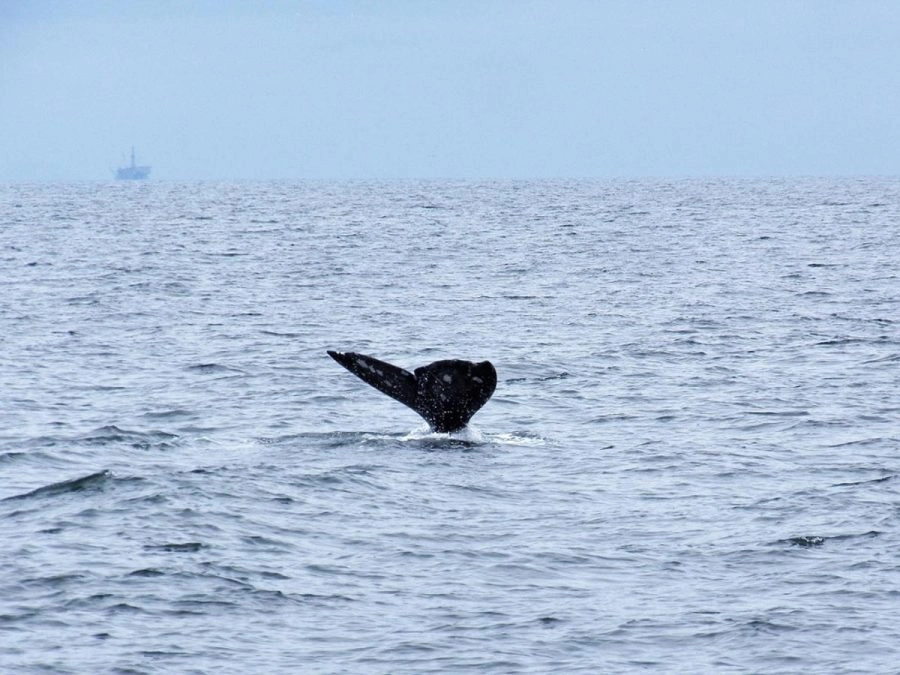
(133,172)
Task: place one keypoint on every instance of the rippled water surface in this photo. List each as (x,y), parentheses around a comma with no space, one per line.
(690,463)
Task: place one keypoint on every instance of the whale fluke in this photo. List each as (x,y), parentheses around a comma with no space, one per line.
(445,393)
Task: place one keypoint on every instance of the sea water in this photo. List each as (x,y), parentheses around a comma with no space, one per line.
(691,462)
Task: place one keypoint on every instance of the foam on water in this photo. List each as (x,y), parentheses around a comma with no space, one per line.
(469,434)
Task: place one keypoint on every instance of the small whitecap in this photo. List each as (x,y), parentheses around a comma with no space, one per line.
(515,439)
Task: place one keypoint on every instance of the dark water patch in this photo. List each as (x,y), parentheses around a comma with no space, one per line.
(281,334)
(613,418)
(54,581)
(871,534)
(229,254)
(768,626)
(194,430)
(778,413)
(142,440)
(214,369)
(863,442)
(175,413)
(186,547)
(51,530)
(83,300)
(873,481)
(239,575)
(276,576)
(199,606)
(890,358)
(267,543)
(93,601)
(89,483)
(842,341)
(814,541)
(147,572)
(151,498)
(804,542)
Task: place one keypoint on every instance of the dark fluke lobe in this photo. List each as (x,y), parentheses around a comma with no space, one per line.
(445,393)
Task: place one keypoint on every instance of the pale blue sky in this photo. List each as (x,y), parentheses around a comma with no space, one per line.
(455,88)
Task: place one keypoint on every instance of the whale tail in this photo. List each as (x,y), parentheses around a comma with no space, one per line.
(445,393)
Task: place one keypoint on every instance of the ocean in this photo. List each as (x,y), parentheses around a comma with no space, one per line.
(691,462)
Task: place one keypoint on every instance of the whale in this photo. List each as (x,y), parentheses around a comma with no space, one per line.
(445,393)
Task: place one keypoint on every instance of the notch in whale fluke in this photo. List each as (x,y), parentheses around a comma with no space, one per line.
(445,393)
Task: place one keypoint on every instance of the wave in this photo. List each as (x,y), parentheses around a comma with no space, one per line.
(111,434)
(91,482)
(813,541)
(214,369)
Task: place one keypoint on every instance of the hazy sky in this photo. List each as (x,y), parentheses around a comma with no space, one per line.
(452,88)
